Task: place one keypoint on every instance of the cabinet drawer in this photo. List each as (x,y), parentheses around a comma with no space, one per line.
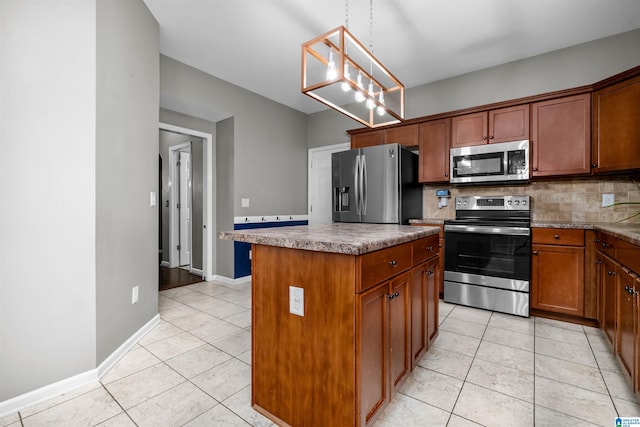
(378,266)
(424,249)
(558,236)
(628,255)
(606,244)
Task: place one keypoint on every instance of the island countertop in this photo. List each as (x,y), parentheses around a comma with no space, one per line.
(344,238)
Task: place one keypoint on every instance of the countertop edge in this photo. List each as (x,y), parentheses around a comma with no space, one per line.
(324,244)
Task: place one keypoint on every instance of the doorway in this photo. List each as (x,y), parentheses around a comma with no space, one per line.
(320,205)
(186,206)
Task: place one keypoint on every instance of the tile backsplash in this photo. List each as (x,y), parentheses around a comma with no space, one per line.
(577,199)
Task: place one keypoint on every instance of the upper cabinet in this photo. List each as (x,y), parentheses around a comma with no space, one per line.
(500,125)
(366,139)
(616,127)
(434,137)
(406,135)
(561,136)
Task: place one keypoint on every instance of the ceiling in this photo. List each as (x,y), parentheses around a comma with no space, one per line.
(256,44)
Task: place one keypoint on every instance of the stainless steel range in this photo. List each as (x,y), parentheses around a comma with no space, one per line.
(487,261)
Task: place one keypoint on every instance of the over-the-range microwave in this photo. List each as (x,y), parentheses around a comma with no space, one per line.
(487,163)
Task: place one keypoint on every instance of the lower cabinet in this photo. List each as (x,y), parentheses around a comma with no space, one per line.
(627,288)
(557,271)
(424,308)
(398,318)
(609,301)
(619,315)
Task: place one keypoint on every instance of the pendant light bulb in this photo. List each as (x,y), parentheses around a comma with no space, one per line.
(360,92)
(370,100)
(346,87)
(332,72)
(380,110)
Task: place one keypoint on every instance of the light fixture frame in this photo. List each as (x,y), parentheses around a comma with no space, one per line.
(393,89)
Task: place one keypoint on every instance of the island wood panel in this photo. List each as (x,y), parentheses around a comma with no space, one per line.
(303,368)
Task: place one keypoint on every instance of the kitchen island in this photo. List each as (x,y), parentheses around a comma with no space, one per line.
(341,314)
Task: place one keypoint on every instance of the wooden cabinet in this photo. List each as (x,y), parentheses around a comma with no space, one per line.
(561,136)
(406,135)
(557,271)
(616,128)
(500,125)
(367,139)
(424,301)
(434,137)
(626,319)
(399,330)
(609,300)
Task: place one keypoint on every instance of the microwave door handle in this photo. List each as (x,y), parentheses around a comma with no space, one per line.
(363,184)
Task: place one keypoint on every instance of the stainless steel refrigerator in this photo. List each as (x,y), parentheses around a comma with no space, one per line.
(376,184)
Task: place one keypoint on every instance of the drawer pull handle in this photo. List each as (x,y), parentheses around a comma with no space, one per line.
(429,248)
(393,295)
(393,263)
(535,252)
(429,273)
(611,273)
(556,236)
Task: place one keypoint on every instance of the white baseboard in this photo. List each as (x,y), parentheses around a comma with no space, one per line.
(114,357)
(229,281)
(67,385)
(164,263)
(197,272)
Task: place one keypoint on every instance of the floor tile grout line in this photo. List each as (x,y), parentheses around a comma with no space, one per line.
(119,404)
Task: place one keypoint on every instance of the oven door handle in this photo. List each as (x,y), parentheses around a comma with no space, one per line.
(488,229)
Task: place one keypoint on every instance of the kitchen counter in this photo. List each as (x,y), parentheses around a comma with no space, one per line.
(341,314)
(342,238)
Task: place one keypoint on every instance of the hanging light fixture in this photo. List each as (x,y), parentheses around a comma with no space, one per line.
(334,85)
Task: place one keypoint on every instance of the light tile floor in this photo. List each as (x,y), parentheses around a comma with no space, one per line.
(485,368)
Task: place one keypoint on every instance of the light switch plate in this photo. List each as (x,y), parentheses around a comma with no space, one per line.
(296,300)
(245,202)
(153,199)
(608,199)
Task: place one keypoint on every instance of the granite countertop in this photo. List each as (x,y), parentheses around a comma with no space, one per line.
(344,238)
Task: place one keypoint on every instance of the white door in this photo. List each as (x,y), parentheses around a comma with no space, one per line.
(184,208)
(320,207)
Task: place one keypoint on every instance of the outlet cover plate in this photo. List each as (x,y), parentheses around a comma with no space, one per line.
(608,199)
(296,301)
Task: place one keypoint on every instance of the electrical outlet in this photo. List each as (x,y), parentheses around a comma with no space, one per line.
(608,199)
(134,295)
(245,203)
(296,301)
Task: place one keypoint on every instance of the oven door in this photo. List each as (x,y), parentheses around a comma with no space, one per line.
(488,255)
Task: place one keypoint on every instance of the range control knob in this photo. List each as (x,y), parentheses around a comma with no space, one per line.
(516,202)
(524,202)
(509,202)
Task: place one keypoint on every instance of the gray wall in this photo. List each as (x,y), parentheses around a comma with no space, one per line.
(76,229)
(47,193)
(225,187)
(198,124)
(562,69)
(168,140)
(127,89)
(262,154)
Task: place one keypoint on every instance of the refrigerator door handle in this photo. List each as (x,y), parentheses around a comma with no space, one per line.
(356,175)
(363,185)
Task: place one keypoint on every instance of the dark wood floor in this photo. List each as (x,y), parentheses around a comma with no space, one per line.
(175,277)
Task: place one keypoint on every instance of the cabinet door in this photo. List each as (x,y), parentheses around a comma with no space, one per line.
(608,283)
(434,150)
(418,313)
(406,135)
(561,140)
(373,352)
(509,124)
(557,279)
(366,139)
(399,330)
(616,128)
(470,129)
(626,319)
(433,274)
